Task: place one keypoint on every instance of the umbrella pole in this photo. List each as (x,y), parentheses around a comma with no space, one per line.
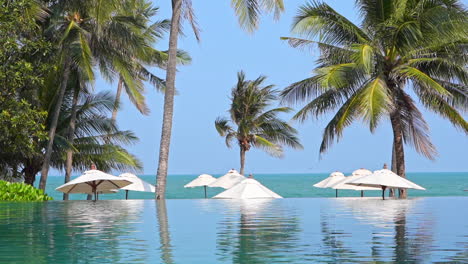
(383,192)
(126,194)
(362,193)
(336,192)
(205,190)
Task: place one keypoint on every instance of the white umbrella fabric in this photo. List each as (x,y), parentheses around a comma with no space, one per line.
(343,184)
(248,189)
(93,181)
(228,180)
(385,179)
(202,180)
(137,185)
(330,181)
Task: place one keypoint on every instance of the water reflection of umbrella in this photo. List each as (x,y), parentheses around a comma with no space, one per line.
(137,185)
(93,181)
(385,179)
(376,212)
(343,184)
(330,181)
(228,180)
(248,189)
(258,231)
(202,180)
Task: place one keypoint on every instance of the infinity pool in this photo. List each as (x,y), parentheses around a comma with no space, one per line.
(307,230)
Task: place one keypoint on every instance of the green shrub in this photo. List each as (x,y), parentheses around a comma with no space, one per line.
(21,192)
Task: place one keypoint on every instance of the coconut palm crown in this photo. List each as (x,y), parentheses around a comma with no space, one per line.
(364,72)
(256,125)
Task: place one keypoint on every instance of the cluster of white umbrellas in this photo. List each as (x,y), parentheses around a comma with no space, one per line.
(363,179)
(237,186)
(97,182)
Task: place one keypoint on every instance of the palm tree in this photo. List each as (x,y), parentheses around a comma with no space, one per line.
(75,54)
(256,125)
(248,13)
(80,85)
(365,71)
(96,139)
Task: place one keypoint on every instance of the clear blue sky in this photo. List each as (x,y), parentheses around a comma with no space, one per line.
(204,89)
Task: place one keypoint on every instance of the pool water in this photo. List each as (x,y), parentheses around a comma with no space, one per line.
(295,230)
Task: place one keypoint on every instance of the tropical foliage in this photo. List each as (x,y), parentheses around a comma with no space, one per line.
(96,139)
(364,71)
(253,123)
(53,50)
(110,36)
(20,192)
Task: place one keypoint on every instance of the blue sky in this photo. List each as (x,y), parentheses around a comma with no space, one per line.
(204,89)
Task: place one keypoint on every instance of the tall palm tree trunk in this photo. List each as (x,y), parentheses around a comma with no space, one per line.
(117,100)
(391,191)
(71,136)
(398,148)
(53,125)
(168,102)
(242,160)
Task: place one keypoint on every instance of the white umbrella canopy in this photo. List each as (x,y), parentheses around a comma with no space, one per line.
(334,177)
(202,180)
(228,180)
(137,184)
(248,189)
(331,180)
(361,172)
(93,181)
(385,179)
(343,184)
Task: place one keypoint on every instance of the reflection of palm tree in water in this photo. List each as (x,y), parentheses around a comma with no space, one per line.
(407,249)
(263,235)
(335,250)
(164,237)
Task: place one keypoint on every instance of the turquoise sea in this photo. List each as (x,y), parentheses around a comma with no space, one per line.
(288,186)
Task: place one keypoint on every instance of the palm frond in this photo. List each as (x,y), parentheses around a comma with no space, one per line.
(249,11)
(222,126)
(189,15)
(343,118)
(269,147)
(319,19)
(375,101)
(416,130)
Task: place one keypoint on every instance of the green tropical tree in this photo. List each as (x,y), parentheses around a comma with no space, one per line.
(248,12)
(364,72)
(74,53)
(112,36)
(96,138)
(142,54)
(255,124)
